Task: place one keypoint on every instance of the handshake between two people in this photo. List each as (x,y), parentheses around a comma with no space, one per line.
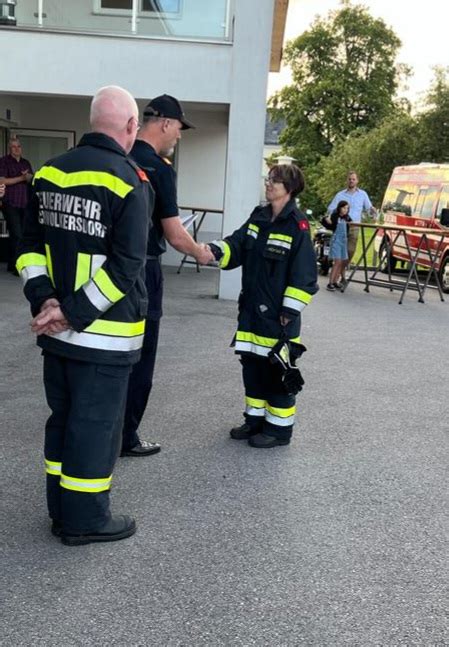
(204,255)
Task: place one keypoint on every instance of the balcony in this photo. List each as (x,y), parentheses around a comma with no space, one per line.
(162,19)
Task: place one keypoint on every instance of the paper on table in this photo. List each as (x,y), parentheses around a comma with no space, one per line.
(188,219)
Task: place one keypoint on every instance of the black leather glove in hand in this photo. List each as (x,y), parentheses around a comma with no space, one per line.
(280,356)
(292,380)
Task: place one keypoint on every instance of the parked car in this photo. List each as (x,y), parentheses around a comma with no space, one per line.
(417,196)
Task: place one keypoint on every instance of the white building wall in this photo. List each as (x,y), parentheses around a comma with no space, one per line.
(249,76)
(77,65)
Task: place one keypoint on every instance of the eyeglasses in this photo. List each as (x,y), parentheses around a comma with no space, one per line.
(272,180)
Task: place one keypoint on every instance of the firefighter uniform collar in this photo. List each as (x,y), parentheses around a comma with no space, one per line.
(289,209)
(99,140)
(264,213)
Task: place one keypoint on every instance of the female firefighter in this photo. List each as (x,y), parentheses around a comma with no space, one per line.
(279,278)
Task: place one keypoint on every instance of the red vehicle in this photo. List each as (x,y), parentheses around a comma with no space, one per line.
(417,196)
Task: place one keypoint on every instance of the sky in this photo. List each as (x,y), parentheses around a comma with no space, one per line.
(421,26)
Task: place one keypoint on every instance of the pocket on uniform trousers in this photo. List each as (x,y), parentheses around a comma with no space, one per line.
(108,392)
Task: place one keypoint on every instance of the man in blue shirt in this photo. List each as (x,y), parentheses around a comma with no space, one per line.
(358,202)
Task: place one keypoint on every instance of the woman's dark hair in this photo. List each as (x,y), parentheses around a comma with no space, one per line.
(340,205)
(291,177)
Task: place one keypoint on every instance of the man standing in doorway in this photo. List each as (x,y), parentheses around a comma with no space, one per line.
(163,121)
(15,173)
(358,202)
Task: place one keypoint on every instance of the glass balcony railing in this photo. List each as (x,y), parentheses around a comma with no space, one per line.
(191,19)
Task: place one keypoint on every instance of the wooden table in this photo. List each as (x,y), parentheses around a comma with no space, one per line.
(430,242)
(201,212)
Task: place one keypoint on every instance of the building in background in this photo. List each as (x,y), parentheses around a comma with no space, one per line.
(213,55)
(271,146)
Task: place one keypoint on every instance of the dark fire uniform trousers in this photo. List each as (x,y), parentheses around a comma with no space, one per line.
(83,433)
(269,409)
(141,377)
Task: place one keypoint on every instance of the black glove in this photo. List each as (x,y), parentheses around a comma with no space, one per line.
(216,251)
(281,357)
(292,380)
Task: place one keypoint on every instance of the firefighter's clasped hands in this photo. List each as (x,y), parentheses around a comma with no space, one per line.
(50,320)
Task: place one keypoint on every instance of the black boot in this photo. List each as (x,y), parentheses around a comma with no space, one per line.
(243,432)
(264,441)
(116,528)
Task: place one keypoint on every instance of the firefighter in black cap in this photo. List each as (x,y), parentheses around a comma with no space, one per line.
(279,278)
(163,122)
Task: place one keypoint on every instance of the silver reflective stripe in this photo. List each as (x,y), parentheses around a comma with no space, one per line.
(294,304)
(255,411)
(96,296)
(252,233)
(32,271)
(277,420)
(248,347)
(52,467)
(279,243)
(97,262)
(86,485)
(100,342)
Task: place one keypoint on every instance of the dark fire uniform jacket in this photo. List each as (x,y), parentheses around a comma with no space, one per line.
(85,244)
(279,276)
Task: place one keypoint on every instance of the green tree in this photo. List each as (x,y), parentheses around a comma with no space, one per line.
(344,78)
(434,120)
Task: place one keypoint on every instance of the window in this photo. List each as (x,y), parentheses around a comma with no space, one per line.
(116,4)
(443,202)
(426,202)
(144,6)
(399,199)
(162,6)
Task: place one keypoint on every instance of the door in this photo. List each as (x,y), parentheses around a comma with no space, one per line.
(38,146)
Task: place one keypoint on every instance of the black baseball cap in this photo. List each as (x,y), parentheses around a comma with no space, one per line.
(169,107)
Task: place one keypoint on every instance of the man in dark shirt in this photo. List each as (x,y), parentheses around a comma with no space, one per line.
(15,173)
(163,121)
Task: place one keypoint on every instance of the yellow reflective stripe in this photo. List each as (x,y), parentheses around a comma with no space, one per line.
(30,259)
(253,227)
(255,402)
(51,467)
(49,263)
(224,261)
(287,239)
(294,293)
(261,341)
(83,178)
(104,283)
(281,413)
(83,264)
(117,328)
(85,485)
(255,339)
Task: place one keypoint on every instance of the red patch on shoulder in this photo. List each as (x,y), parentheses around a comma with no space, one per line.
(142,175)
(303,224)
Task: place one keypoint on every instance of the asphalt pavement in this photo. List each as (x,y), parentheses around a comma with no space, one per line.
(339,538)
